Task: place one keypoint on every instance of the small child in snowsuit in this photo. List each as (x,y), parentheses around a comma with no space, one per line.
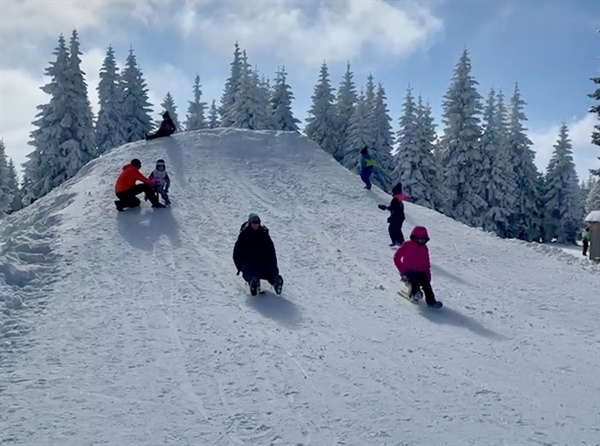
(586,240)
(396,219)
(412,261)
(161,180)
(366,167)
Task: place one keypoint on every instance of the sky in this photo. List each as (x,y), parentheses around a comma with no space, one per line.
(551,48)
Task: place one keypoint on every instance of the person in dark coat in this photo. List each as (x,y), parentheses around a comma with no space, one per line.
(255,257)
(396,219)
(366,167)
(167,128)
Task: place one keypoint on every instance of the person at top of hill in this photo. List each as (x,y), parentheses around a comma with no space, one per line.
(255,257)
(396,219)
(126,188)
(366,167)
(586,240)
(161,179)
(412,261)
(167,128)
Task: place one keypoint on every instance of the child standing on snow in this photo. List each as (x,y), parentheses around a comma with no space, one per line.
(396,219)
(412,261)
(161,180)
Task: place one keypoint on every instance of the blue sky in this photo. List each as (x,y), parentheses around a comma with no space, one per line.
(551,48)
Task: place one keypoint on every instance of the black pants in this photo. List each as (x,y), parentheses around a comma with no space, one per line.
(265,271)
(128,198)
(586,244)
(395,231)
(418,280)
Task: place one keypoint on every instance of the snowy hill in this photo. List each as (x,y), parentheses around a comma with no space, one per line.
(133,329)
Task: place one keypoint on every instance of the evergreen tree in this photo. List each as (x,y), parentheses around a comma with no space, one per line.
(526,220)
(136,108)
(429,197)
(321,124)
(500,184)
(261,90)
(168,104)
(13,186)
(381,151)
(463,175)
(562,201)
(592,202)
(232,86)
(195,115)
(415,167)
(83,141)
(282,117)
(6,194)
(596,109)
(345,103)
(213,116)
(359,134)
(109,128)
(63,139)
(248,110)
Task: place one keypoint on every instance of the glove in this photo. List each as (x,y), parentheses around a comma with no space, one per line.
(404,278)
(238,273)
(383,207)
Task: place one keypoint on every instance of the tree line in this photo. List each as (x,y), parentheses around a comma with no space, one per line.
(479,169)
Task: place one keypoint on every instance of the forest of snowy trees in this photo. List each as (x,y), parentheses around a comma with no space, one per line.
(478,169)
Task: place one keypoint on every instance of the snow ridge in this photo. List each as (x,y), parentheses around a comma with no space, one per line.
(134,328)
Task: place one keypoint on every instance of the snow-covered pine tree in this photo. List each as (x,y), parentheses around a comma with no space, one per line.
(282,117)
(321,125)
(414,160)
(13,185)
(596,109)
(500,184)
(168,104)
(109,127)
(213,116)
(62,140)
(248,110)
(429,167)
(83,138)
(592,202)
(462,154)
(196,109)
(262,92)
(562,202)
(359,134)
(345,103)
(526,220)
(232,85)
(136,108)
(6,195)
(383,141)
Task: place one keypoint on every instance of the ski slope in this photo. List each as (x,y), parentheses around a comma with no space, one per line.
(133,329)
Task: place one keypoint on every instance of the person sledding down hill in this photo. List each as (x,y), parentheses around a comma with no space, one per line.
(255,257)
(396,219)
(167,128)
(126,188)
(412,261)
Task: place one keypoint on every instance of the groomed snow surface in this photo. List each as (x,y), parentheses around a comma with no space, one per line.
(133,329)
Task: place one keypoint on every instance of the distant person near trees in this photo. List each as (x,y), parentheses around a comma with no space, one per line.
(366,167)
(167,128)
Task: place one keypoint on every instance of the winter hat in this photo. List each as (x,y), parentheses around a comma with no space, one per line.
(160,164)
(364,151)
(166,115)
(253,218)
(136,163)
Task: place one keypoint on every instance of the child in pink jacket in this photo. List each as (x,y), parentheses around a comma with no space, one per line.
(412,261)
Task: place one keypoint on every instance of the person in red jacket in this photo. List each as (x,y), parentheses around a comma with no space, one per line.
(412,261)
(126,188)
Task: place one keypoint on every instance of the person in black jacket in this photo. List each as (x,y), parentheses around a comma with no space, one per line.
(396,219)
(255,257)
(167,128)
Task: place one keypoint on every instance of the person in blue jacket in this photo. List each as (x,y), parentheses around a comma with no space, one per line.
(366,167)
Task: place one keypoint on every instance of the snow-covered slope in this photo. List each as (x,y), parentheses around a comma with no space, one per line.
(133,329)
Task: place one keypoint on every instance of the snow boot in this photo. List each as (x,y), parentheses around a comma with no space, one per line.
(436,304)
(278,284)
(417,296)
(158,205)
(119,205)
(254,286)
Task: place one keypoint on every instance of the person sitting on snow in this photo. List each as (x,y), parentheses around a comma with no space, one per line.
(167,128)
(396,219)
(126,188)
(255,257)
(412,261)
(161,180)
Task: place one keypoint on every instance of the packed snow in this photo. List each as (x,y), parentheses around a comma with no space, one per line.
(133,329)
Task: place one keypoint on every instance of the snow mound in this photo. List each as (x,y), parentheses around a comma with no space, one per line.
(133,328)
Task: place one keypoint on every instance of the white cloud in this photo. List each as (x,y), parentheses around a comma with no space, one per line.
(310,32)
(580,131)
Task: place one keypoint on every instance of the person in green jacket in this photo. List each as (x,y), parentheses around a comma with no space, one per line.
(586,240)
